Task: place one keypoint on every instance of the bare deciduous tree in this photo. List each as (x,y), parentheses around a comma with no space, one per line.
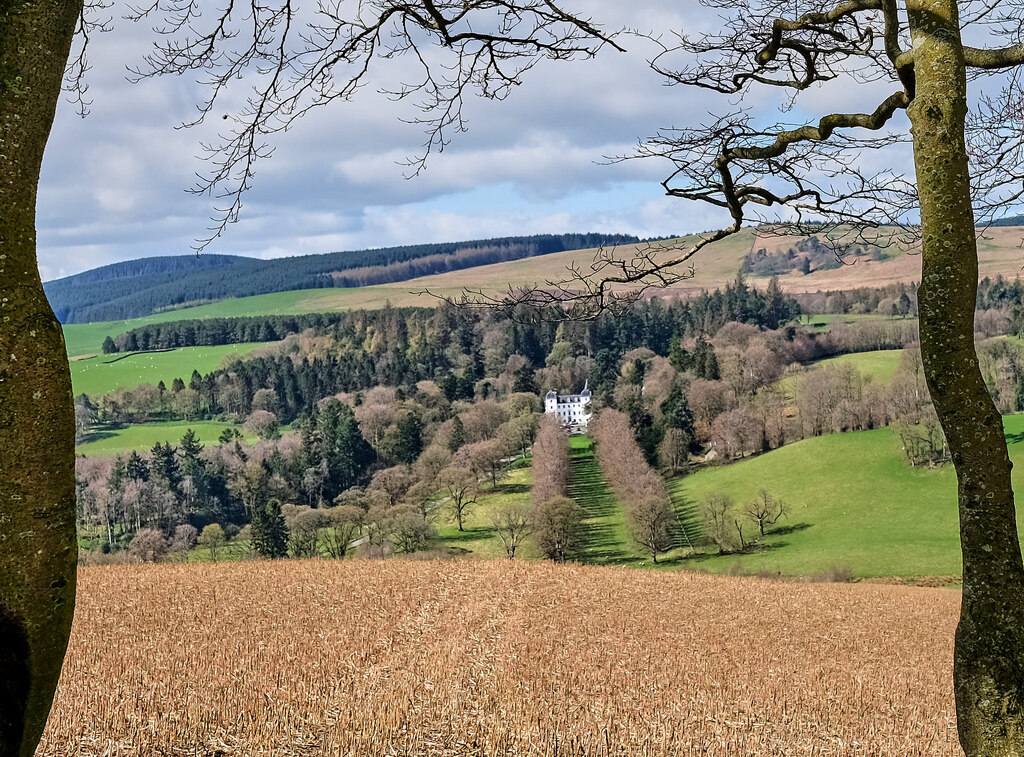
(484,458)
(652,524)
(550,462)
(765,509)
(345,523)
(716,512)
(408,531)
(460,484)
(512,524)
(558,527)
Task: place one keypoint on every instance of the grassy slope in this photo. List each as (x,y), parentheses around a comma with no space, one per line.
(823,319)
(96,375)
(144,436)
(606,538)
(879,365)
(479,537)
(852,501)
(998,253)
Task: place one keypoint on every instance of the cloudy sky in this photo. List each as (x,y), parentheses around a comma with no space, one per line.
(113,185)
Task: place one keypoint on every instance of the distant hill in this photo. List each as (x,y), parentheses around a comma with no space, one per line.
(117,280)
(151,285)
(1009,221)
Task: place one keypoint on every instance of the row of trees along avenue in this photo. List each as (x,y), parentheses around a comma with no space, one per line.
(649,512)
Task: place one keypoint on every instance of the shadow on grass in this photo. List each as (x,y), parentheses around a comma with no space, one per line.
(788,529)
(752,550)
(588,487)
(477,533)
(513,488)
(687,531)
(96,436)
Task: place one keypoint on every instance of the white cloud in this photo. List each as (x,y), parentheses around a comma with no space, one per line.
(113,185)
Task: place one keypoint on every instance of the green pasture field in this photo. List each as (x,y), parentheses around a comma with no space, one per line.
(479,538)
(880,365)
(821,321)
(852,501)
(87,338)
(143,436)
(606,538)
(101,374)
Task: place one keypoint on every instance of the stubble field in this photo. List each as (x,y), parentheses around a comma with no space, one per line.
(498,658)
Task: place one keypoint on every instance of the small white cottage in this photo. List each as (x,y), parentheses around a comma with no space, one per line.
(572,410)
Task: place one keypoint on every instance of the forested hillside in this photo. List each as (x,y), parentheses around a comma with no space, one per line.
(142,287)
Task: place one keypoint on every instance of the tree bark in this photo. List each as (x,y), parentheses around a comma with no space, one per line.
(988,668)
(38,549)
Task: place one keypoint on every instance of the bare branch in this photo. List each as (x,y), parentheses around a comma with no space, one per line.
(75,83)
(296,68)
(1005,57)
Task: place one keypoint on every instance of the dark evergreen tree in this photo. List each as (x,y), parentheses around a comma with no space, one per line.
(190,446)
(136,468)
(269,531)
(605,371)
(408,440)
(675,410)
(705,361)
(109,347)
(347,454)
(711,370)
(903,305)
(118,474)
(449,386)
(464,387)
(164,464)
(775,311)
(523,380)
(680,358)
(458,436)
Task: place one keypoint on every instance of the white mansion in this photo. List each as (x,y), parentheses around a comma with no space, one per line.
(572,410)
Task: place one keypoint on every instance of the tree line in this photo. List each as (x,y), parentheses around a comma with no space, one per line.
(209,332)
(650,516)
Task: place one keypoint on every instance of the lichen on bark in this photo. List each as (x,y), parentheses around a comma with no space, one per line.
(988,654)
(37,483)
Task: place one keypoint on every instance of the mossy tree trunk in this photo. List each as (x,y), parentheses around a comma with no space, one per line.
(989,649)
(37,476)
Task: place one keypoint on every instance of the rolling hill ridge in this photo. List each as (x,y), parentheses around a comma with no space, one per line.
(152,285)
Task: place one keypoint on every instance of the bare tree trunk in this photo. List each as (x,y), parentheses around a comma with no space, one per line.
(37,425)
(989,650)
